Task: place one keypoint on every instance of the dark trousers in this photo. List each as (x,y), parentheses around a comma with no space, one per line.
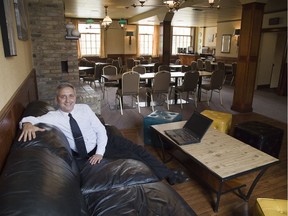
(119,147)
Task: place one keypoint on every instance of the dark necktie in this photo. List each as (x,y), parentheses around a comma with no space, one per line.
(78,138)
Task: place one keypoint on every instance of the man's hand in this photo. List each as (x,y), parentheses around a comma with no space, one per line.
(29,132)
(95,159)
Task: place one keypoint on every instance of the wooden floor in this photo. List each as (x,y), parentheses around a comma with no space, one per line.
(273,183)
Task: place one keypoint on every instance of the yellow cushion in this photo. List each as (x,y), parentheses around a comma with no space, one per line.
(221,121)
(270,207)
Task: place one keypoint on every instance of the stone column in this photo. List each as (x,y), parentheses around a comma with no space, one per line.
(251,25)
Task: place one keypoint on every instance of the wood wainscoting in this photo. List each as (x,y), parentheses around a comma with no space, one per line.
(10,115)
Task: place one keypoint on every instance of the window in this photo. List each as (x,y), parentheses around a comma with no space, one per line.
(145,38)
(182,38)
(90,39)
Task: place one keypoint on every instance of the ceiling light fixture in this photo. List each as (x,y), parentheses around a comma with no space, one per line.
(122,23)
(142,2)
(174,5)
(211,2)
(107,20)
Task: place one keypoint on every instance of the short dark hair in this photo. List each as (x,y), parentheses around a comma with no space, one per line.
(64,85)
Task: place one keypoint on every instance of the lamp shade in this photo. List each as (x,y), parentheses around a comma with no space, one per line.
(122,22)
(129,33)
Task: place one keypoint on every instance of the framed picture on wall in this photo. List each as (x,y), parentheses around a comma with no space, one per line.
(225,43)
(7,30)
(21,19)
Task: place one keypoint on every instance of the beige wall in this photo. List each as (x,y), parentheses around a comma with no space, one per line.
(14,70)
(227,28)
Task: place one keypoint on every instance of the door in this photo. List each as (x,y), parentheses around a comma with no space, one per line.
(270,58)
(266,58)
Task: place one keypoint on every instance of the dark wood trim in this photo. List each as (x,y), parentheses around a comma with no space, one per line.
(11,113)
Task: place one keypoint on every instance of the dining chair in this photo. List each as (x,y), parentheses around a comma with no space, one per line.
(117,64)
(200,64)
(215,84)
(194,66)
(208,66)
(141,70)
(234,70)
(185,68)
(164,68)
(160,86)
(190,82)
(130,63)
(109,70)
(129,87)
(156,65)
(95,77)
(121,64)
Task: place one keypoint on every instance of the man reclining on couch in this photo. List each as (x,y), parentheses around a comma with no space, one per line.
(91,143)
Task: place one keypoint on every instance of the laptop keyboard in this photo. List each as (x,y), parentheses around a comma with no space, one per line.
(185,135)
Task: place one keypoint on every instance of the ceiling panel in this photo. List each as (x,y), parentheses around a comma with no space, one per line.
(152,12)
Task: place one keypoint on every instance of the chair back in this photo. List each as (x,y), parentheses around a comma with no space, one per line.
(110,70)
(190,81)
(109,60)
(140,69)
(194,66)
(221,66)
(156,65)
(185,68)
(208,66)
(164,68)
(161,82)
(117,65)
(130,63)
(200,64)
(130,83)
(217,79)
(178,62)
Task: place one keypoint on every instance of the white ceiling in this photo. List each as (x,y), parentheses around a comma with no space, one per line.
(154,11)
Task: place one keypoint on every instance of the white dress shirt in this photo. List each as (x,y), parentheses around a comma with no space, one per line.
(93,131)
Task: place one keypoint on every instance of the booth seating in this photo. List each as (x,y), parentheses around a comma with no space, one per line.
(158,117)
(270,207)
(262,136)
(221,121)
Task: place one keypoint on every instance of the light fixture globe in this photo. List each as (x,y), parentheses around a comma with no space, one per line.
(107,20)
(174,5)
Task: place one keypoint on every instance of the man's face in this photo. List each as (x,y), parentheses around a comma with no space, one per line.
(66,99)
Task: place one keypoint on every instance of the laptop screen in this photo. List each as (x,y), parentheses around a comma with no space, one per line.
(198,124)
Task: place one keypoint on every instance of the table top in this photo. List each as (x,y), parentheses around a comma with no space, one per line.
(82,68)
(222,154)
(151,75)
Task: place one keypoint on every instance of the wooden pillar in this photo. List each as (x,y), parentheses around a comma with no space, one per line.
(251,25)
(167,39)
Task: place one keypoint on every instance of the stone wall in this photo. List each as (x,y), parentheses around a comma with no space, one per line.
(54,57)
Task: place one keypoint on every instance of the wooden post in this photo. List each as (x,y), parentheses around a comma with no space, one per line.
(251,25)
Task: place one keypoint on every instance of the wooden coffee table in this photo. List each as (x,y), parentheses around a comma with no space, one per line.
(220,158)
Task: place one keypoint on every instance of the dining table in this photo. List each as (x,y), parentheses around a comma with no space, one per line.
(83,70)
(150,77)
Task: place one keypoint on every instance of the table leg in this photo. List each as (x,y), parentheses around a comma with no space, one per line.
(218,195)
(162,156)
(175,95)
(247,196)
(199,88)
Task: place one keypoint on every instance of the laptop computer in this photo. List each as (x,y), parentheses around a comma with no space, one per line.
(193,130)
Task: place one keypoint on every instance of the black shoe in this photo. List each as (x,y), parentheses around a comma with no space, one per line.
(177,177)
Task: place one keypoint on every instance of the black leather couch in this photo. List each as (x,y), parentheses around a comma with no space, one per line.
(41,177)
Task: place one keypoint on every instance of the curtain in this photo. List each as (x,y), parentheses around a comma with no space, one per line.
(102,43)
(155,47)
